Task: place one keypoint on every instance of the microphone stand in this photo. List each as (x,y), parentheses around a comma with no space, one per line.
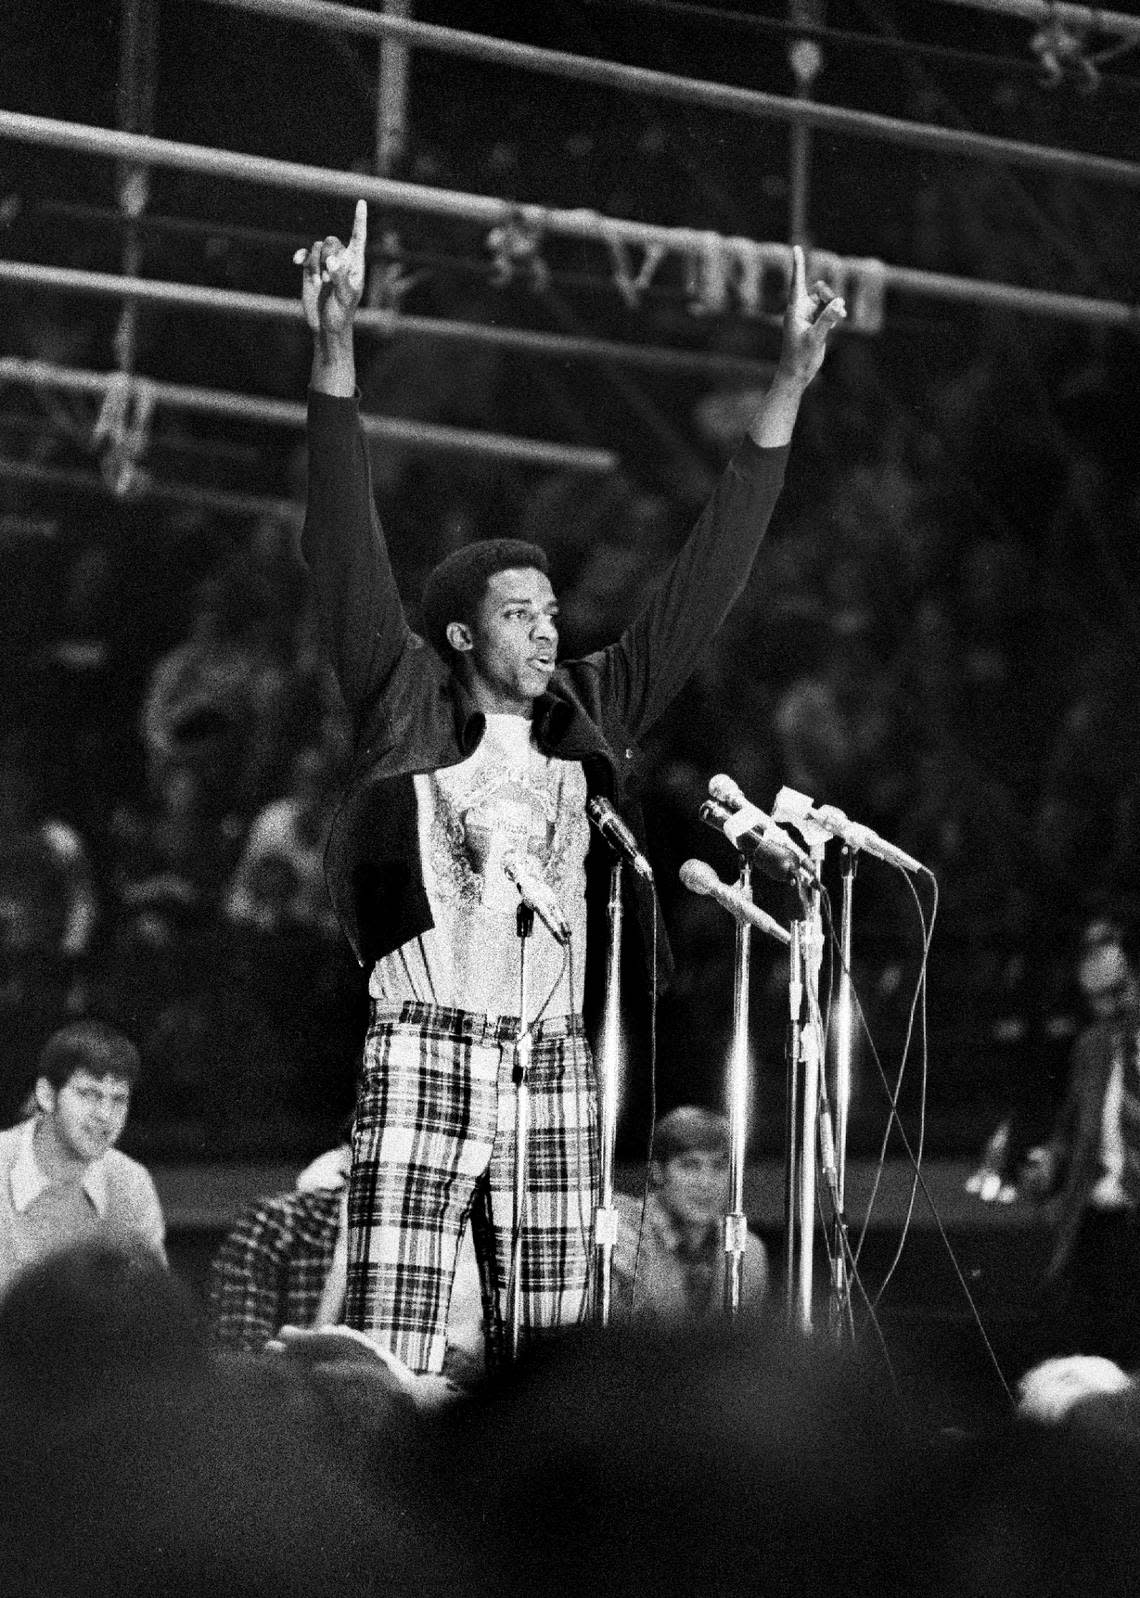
(735,1222)
(804,1069)
(796,1001)
(525,924)
(609,1071)
(843,1050)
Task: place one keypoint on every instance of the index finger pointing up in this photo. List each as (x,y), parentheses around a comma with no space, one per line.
(359,234)
(799,274)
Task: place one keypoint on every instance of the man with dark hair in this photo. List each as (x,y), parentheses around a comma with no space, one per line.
(62,1181)
(476,753)
(670,1258)
(455,587)
(1089,1168)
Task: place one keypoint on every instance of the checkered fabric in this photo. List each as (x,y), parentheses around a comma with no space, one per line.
(270,1269)
(433,1144)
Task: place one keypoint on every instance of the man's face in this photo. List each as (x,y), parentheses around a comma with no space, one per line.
(1110,985)
(87,1114)
(512,642)
(693,1186)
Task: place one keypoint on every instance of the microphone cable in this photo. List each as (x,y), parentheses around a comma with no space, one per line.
(854,1275)
(917,1007)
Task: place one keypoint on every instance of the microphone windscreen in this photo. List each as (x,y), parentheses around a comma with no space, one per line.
(698,877)
(725,791)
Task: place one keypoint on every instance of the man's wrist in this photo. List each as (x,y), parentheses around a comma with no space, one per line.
(334,343)
(788,385)
(773,423)
(334,365)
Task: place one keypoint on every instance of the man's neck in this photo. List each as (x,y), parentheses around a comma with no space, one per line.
(691,1236)
(493,704)
(58,1164)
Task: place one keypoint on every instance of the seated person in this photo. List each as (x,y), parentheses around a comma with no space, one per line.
(62,1181)
(284,1263)
(669,1262)
(275,1268)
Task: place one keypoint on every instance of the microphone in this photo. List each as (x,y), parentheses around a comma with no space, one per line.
(701,878)
(536,892)
(767,857)
(746,821)
(618,835)
(792,806)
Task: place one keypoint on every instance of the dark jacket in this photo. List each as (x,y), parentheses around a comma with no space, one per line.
(411,714)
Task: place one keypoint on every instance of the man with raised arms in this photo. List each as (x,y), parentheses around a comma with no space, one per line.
(476,751)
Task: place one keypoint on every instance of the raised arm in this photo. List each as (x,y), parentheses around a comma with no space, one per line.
(363,627)
(646,669)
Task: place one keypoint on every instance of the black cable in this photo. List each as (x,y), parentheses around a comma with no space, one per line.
(924,1056)
(854,1276)
(894,1121)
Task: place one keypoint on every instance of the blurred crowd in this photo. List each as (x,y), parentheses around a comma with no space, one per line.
(136,1457)
(168,766)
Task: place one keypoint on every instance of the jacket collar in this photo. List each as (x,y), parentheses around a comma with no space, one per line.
(556,723)
(27,1181)
(553,721)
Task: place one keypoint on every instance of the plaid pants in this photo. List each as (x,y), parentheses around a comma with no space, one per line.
(433,1146)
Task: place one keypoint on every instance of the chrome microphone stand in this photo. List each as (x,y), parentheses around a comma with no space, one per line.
(520,1077)
(735,1221)
(609,1080)
(805,1064)
(792,1127)
(817,826)
(843,1048)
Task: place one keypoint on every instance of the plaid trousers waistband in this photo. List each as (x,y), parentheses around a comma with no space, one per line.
(449,1024)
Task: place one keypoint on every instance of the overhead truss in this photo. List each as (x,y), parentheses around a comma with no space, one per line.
(724,273)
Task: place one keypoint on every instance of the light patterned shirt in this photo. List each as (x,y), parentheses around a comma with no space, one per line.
(508,796)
